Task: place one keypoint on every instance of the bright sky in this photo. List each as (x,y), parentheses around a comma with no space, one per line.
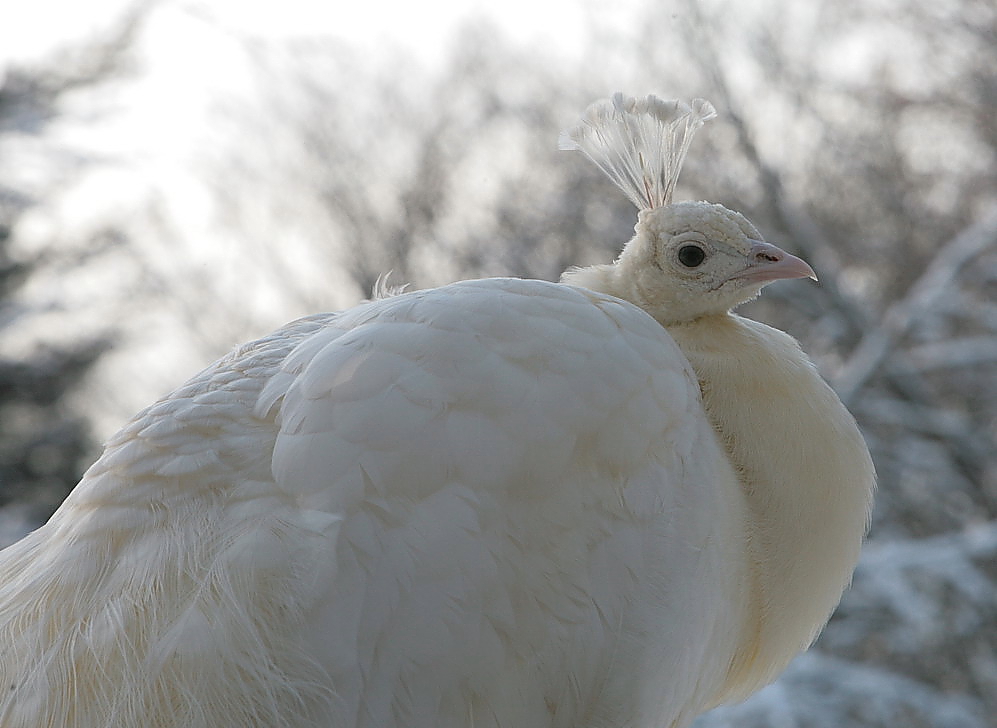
(424,27)
(420,25)
(33,29)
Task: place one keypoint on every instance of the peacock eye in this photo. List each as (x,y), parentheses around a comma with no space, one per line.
(691,255)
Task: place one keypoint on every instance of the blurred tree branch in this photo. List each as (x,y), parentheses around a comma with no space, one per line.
(935,282)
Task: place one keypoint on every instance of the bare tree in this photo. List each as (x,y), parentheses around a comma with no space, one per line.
(44,444)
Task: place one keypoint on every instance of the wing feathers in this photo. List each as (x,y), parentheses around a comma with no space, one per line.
(425,511)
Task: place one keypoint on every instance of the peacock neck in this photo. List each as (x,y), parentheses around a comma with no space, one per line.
(806,478)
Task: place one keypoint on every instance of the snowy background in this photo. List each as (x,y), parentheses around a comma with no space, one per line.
(178,177)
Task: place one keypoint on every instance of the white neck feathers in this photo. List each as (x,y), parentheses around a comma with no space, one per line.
(806,476)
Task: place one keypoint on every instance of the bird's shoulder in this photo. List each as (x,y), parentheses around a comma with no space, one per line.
(481,373)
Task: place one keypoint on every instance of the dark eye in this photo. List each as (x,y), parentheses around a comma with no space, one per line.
(691,255)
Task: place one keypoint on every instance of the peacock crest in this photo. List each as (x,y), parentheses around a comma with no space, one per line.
(639,143)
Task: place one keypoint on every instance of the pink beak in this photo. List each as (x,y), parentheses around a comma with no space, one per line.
(767,263)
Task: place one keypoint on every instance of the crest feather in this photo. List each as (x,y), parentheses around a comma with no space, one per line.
(639,143)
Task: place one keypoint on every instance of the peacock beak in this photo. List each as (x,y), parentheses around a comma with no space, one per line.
(766,262)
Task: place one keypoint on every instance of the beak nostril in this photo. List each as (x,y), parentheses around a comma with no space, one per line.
(765,262)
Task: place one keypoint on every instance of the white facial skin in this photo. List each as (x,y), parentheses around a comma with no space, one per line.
(695,259)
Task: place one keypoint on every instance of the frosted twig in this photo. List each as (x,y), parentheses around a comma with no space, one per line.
(967,351)
(933,283)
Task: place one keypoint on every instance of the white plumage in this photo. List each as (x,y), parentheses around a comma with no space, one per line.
(604,502)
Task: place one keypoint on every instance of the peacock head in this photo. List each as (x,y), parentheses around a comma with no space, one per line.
(687,259)
(693,259)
